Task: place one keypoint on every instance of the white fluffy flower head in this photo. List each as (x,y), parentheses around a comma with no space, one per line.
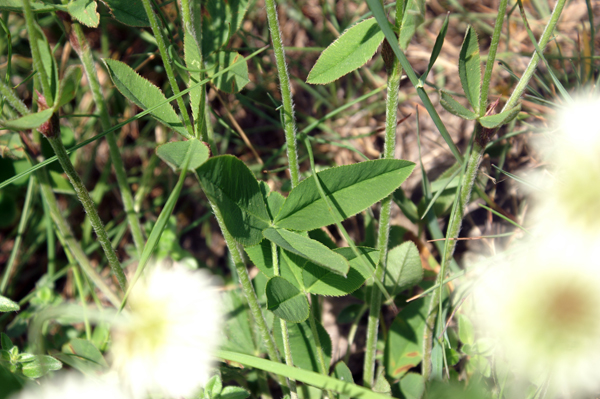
(543,308)
(71,385)
(165,342)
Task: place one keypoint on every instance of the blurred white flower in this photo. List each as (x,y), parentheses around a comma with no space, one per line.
(570,199)
(542,306)
(165,342)
(71,385)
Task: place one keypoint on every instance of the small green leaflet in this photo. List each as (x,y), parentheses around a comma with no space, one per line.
(6,305)
(85,12)
(469,68)
(128,12)
(403,269)
(350,51)
(174,153)
(29,121)
(286,301)
(144,94)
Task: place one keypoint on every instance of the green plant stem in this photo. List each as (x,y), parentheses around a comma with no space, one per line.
(249,293)
(13,100)
(86,321)
(72,244)
(323,367)
(391,111)
(489,66)
(289,121)
(482,137)
(83,50)
(90,209)
(158,35)
(285,335)
(41,75)
(10,266)
(87,60)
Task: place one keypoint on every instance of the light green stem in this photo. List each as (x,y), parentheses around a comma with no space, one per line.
(86,321)
(289,121)
(249,293)
(72,244)
(482,137)
(285,335)
(83,50)
(10,266)
(393,87)
(42,75)
(90,209)
(158,35)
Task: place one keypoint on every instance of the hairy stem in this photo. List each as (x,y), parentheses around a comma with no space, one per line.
(393,86)
(289,121)
(88,205)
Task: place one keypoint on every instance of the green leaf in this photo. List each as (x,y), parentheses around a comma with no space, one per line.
(469,68)
(5,342)
(414,16)
(437,48)
(231,392)
(213,387)
(350,51)
(29,121)
(494,121)
(40,366)
(274,203)
(403,269)
(128,12)
(382,385)
(173,153)
(17,6)
(298,374)
(82,355)
(302,344)
(228,182)
(262,257)
(237,330)
(193,61)
(143,93)
(350,189)
(220,20)
(342,373)
(465,330)
(69,85)
(11,146)
(454,107)
(6,305)
(318,280)
(85,12)
(286,301)
(412,386)
(308,249)
(48,62)
(404,346)
(233,80)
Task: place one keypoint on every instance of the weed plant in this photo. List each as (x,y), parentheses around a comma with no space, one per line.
(218,193)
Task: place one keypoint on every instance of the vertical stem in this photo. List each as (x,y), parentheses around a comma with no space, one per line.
(65,231)
(393,86)
(289,121)
(489,66)
(287,350)
(82,48)
(88,205)
(86,322)
(10,266)
(323,367)
(158,35)
(249,293)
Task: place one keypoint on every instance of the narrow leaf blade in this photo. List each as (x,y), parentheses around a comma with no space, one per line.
(350,51)
(30,121)
(6,305)
(469,68)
